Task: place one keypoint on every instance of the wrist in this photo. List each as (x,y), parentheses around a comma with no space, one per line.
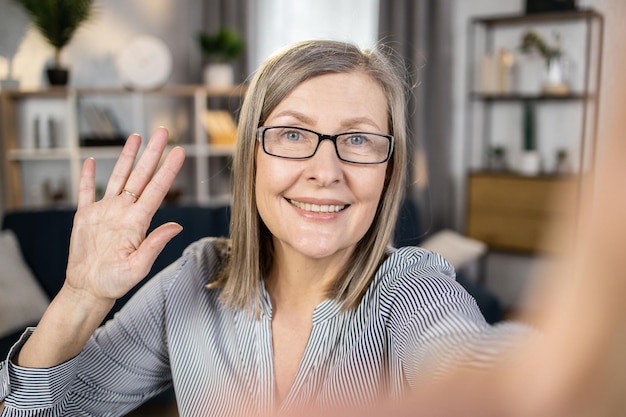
(66,326)
(83,302)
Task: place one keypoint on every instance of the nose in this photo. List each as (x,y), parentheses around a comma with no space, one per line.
(325,167)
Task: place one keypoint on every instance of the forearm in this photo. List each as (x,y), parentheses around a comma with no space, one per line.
(63,331)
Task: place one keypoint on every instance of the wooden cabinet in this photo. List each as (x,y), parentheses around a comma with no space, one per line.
(44,136)
(516,213)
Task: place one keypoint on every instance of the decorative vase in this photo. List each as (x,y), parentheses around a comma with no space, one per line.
(58,76)
(530,159)
(219,75)
(556,76)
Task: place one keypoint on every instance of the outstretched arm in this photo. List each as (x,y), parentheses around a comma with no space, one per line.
(109,250)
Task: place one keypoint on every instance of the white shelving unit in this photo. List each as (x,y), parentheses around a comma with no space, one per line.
(42,132)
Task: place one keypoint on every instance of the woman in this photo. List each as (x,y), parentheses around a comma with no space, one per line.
(306,306)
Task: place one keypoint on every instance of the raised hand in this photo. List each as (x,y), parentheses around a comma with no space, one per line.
(109,249)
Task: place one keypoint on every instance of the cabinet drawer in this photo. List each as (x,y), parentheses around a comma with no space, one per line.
(515,213)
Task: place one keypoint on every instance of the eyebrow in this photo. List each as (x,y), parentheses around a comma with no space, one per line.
(308,120)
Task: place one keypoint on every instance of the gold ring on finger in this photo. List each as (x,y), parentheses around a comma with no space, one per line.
(130,193)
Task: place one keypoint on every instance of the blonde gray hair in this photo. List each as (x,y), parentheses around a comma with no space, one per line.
(251,253)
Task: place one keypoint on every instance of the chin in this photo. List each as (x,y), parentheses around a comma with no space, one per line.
(315,250)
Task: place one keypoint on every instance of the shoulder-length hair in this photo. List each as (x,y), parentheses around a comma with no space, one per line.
(251,253)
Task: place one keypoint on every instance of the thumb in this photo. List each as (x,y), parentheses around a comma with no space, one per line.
(154,243)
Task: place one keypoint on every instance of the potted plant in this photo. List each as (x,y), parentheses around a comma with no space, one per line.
(57,21)
(220,49)
(556,72)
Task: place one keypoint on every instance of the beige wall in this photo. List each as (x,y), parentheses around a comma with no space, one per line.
(612,120)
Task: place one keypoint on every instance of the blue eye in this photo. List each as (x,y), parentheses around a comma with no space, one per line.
(293,135)
(357,140)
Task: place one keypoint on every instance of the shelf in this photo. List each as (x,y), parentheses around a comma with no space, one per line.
(173,90)
(515,175)
(52,154)
(572,15)
(529,97)
(506,209)
(203,177)
(38,93)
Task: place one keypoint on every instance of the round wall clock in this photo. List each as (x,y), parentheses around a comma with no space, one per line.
(145,63)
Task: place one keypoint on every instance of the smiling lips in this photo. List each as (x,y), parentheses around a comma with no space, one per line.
(318,208)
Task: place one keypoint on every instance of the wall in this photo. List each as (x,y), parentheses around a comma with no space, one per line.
(91,54)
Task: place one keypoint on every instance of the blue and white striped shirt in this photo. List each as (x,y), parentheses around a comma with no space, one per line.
(414,320)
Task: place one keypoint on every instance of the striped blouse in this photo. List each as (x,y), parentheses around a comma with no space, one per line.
(413,320)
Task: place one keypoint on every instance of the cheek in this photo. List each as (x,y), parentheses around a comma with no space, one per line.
(371,184)
(368,189)
(273,177)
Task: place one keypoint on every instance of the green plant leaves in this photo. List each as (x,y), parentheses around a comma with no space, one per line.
(223,46)
(57,20)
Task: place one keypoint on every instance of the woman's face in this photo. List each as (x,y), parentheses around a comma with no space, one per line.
(321,207)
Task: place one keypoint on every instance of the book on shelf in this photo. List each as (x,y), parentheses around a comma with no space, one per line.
(220,127)
(104,129)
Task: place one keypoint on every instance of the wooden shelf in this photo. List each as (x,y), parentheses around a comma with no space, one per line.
(167,90)
(17,116)
(39,154)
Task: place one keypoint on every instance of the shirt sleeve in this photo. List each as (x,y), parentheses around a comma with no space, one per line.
(438,325)
(123,364)
(33,388)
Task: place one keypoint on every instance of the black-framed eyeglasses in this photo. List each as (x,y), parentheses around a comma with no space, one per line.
(300,143)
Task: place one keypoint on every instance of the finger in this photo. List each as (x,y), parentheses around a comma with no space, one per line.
(152,246)
(156,190)
(148,162)
(123,166)
(86,185)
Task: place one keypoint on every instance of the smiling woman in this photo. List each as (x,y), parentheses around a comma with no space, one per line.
(308,305)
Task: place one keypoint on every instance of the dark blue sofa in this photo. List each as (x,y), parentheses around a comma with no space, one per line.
(44,240)
(44,237)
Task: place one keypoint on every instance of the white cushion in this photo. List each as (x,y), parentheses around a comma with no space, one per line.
(22,300)
(459,250)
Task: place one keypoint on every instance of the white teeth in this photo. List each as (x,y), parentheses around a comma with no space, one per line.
(318,208)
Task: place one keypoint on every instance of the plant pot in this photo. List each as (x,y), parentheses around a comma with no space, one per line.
(219,75)
(58,76)
(530,163)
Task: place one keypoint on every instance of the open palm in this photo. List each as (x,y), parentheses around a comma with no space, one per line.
(109,249)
